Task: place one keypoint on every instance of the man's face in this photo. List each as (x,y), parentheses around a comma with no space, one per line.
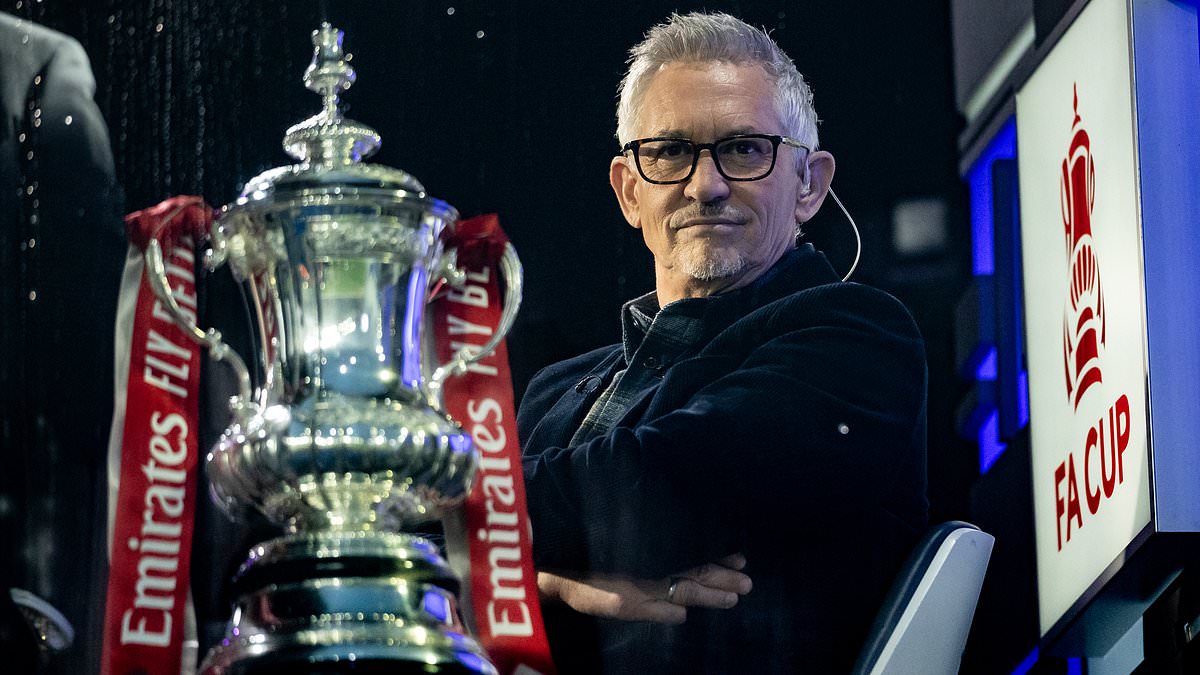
(709,234)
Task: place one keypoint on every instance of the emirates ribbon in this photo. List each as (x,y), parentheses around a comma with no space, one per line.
(152,455)
(493,528)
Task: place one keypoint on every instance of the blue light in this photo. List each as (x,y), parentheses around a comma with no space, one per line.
(437,606)
(460,445)
(979,181)
(410,368)
(990,446)
(1074,666)
(1023,398)
(1029,662)
(471,661)
(986,372)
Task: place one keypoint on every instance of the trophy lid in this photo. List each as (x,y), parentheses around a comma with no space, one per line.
(329,148)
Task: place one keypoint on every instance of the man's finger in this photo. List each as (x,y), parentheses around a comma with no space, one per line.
(659,611)
(721,578)
(691,593)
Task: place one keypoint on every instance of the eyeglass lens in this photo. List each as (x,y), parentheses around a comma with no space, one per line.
(741,158)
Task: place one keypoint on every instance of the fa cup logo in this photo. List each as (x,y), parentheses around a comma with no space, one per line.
(1084,319)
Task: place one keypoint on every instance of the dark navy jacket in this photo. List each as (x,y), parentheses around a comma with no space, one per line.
(794,432)
(61,252)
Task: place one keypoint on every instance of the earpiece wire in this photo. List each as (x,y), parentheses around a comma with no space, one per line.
(857,236)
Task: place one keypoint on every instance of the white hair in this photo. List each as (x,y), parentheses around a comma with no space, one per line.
(701,37)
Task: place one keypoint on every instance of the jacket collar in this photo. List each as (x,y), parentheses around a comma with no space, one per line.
(799,269)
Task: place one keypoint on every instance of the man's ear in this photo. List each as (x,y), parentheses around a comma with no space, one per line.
(820,176)
(623,179)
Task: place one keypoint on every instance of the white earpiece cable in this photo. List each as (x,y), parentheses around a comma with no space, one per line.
(857,236)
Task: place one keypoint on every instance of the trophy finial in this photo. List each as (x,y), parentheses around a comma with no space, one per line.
(329,72)
(328,138)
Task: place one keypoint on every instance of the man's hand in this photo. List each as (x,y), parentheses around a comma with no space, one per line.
(715,585)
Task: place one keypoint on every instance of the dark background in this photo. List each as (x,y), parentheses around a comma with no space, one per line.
(467,93)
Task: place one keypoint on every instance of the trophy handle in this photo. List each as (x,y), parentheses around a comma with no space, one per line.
(514,280)
(156,274)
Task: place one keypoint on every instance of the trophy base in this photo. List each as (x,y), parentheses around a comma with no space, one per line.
(345,661)
(307,667)
(328,662)
(346,602)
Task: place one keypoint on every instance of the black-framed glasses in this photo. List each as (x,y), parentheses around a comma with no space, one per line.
(744,157)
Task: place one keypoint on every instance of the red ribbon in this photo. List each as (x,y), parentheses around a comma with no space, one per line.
(153,450)
(494,524)
(185,215)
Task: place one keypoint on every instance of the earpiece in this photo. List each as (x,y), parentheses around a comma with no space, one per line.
(857,236)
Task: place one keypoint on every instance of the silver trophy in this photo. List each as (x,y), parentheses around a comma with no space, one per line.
(341,439)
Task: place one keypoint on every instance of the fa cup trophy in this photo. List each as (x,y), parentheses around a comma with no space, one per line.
(341,438)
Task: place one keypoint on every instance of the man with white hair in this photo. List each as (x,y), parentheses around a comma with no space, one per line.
(762,423)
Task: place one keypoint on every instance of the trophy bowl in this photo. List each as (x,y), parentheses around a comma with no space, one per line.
(341,438)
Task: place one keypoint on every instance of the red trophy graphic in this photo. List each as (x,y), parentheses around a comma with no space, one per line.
(1084,319)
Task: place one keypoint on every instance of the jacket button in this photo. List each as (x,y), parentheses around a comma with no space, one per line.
(588,384)
(651,362)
